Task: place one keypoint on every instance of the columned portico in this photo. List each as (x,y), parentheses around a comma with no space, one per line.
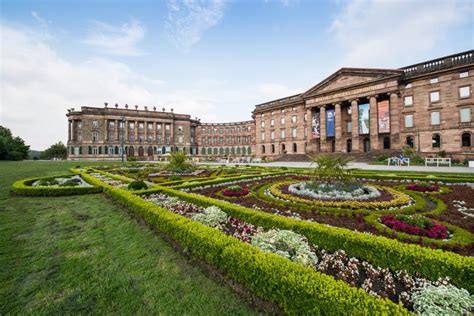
(322,138)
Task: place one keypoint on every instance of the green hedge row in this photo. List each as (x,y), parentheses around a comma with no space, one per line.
(24,187)
(295,288)
(378,250)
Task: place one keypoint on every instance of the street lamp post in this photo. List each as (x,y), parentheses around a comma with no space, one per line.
(123,129)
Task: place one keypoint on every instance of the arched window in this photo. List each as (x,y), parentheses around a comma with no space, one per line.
(89,150)
(349,145)
(436,141)
(273,148)
(221,151)
(215,151)
(232,151)
(410,142)
(466,140)
(238,150)
(209,151)
(243,151)
(249,150)
(263,149)
(386,142)
(283,148)
(203,151)
(227,151)
(116,150)
(295,147)
(106,150)
(131,151)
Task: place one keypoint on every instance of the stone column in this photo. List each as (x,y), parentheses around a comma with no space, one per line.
(69,130)
(374,124)
(310,143)
(322,125)
(155,140)
(145,126)
(395,121)
(126,126)
(136,134)
(355,125)
(338,125)
(106,130)
(116,130)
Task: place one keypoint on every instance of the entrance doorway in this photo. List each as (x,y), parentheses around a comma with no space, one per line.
(366,144)
(349,145)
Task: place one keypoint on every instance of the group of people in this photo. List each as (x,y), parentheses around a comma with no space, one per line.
(400,160)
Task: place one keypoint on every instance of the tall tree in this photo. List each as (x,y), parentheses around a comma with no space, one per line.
(12,148)
(58,150)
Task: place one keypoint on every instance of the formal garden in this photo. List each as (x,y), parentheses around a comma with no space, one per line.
(322,240)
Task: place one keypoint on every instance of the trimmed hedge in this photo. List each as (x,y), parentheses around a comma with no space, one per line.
(378,250)
(295,288)
(24,187)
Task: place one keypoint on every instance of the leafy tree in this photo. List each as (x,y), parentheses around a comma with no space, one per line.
(178,162)
(12,148)
(332,167)
(58,150)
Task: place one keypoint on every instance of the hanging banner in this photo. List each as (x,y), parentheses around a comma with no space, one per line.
(330,126)
(315,124)
(383,109)
(364,121)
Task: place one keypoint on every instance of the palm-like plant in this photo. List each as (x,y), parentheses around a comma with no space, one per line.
(178,162)
(332,167)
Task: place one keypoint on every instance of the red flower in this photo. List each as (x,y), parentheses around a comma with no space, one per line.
(437,231)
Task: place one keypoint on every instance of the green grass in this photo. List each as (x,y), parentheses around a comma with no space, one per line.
(84,254)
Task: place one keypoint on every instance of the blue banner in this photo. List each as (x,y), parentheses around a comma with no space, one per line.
(330,126)
(364,115)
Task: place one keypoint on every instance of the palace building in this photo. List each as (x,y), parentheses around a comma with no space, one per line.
(427,106)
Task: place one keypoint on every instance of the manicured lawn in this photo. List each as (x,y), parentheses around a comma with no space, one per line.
(84,254)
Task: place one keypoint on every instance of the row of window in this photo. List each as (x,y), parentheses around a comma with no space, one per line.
(466,140)
(294,119)
(128,150)
(435,117)
(283,148)
(239,151)
(294,108)
(228,140)
(464,92)
(227,130)
(294,133)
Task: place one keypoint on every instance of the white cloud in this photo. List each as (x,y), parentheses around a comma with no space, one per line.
(117,40)
(276,91)
(380,33)
(188,20)
(37,86)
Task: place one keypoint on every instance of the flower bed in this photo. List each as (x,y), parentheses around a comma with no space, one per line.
(334,191)
(423,187)
(54,186)
(235,191)
(399,286)
(415,225)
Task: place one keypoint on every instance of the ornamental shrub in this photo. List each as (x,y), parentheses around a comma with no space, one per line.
(287,244)
(137,185)
(442,300)
(211,216)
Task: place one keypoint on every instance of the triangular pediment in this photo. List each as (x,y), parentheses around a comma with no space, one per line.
(347,77)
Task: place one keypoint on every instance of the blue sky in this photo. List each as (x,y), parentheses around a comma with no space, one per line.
(212,59)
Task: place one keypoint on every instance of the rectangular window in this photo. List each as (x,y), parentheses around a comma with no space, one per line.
(167,127)
(293,132)
(435,120)
(282,121)
(408,85)
(272,135)
(140,125)
(131,125)
(408,100)
(95,137)
(349,127)
(282,134)
(95,124)
(263,136)
(272,122)
(263,125)
(434,96)
(305,117)
(150,126)
(293,119)
(434,80)
(465,114)
(180,139)
(409,120)
(305,132)
(464,74)
(349,110)
(464,92)
(158,127)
